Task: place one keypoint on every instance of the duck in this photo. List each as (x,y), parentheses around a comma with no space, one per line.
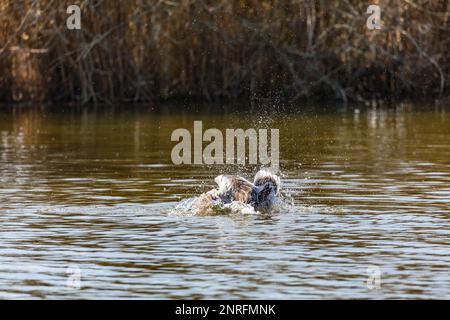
(260,194)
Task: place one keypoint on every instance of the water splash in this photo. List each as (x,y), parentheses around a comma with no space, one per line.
(284,203)
(188,207)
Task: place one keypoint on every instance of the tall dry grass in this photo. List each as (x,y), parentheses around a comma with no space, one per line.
(137,50)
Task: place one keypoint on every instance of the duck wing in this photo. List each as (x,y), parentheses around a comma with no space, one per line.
(234,188)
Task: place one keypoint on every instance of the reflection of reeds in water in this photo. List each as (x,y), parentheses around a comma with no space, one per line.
(135,50)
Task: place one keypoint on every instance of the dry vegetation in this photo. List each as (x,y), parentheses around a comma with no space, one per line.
(143,50)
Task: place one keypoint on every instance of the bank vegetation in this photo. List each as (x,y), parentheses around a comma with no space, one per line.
(140,51)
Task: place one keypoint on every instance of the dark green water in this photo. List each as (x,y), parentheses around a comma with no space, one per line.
(92,190)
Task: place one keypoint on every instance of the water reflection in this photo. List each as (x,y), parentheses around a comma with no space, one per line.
(92,188)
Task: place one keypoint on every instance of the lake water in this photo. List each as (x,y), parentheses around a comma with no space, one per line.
(87,194)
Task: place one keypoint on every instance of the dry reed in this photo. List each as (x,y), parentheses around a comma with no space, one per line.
(137,50)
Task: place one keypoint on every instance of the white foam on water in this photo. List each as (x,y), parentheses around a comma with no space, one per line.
(187,207)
